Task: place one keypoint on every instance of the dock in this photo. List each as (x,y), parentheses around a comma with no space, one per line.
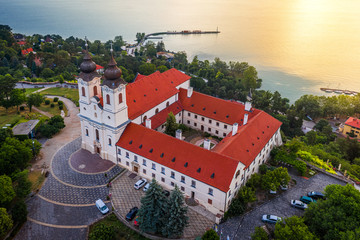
(339,91)
(183,32)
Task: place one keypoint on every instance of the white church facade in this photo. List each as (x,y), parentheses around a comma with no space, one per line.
(124,123)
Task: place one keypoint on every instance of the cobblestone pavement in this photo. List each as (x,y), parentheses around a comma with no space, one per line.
(64,209)
(65,173)
(125,196)
(242,228)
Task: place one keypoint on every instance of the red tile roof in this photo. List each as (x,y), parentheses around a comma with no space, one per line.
(160,118)
(353,122)
(174,153)
(26,51)
(21,43)
(99,67)
(250,138)
(215,108)
(139,76)
(149,91)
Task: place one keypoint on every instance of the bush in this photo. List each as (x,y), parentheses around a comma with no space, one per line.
(210,235)
(61,103)
(22,108)
(47,102)
(52,105)
(263,169)
(101,231)
(259,234)
(19,212)
(61,107)
(56,99)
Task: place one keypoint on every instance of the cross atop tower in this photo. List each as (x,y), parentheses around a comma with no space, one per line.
(111,48)
(86,43)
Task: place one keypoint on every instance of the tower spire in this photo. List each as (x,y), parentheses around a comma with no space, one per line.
(86,43)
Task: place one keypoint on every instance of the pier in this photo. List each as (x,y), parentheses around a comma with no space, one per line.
(339,91)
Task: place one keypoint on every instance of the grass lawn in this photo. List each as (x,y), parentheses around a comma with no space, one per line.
(30,90)
(122,231)
(36,179)
(70,93)
(12,116)
(54,111)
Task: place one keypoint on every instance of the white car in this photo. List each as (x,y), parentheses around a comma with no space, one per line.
(146,187)
(298,204)
(140,183)
(270,218)
(101,206)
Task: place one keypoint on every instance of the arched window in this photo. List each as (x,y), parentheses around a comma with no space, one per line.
(95,90)
(86,132)
(120,98)
(108,99)
(156,111)
(83,91)
(237,174)
(109,141)
(145,118)
(167,104)
(97,134)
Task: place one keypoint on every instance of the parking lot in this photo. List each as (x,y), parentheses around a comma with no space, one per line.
(125,196)
(242,227)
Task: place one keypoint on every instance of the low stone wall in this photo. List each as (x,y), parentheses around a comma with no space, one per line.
(341,178)
(25,84)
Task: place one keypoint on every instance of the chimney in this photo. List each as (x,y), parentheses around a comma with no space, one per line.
(189,92)
(179,134)
(235,128)
(248,106)
(207,144)
(245,119)
(148,123)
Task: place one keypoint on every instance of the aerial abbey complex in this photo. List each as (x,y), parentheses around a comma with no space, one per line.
(124,123)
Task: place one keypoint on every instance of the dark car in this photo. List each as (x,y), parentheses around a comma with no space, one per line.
(316,195)
(132,213)
(307,200)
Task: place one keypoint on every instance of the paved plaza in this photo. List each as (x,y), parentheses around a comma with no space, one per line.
(65,205)
(125,196)
(241,228)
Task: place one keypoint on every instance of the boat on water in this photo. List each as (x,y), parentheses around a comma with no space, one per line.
(329,91)
(348,92)
(339,91)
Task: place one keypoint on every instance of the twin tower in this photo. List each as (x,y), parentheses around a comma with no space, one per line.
(103,109)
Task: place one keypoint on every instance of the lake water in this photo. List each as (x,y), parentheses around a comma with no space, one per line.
(297,46)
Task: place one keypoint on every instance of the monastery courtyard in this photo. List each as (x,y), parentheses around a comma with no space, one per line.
(65,205)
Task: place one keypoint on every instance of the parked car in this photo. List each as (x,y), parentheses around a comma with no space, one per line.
(270,218)
(298,204)
(131,214)
(272,191)
(140,183)
(136,222)
(316,195)
(166,193)
(101,206)
(146,187)
(307,200)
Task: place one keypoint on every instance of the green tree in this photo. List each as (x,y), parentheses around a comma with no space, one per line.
(162,68)
(7,84)
(147,68)
(210,235)
(102,232)
(171,125)
(250,78)
(34,99)
(273,179)
(5,222)
(176,219)
(19,212)
(22,184)
(14,155)
(294,228)
(140,37)
(6,190)
(337,216)
(47,73)
(154,206)
(17,97)
(160,46)
(259,234)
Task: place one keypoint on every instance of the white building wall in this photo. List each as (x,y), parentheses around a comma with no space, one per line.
(211,126)
(184,85)
(201,190)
